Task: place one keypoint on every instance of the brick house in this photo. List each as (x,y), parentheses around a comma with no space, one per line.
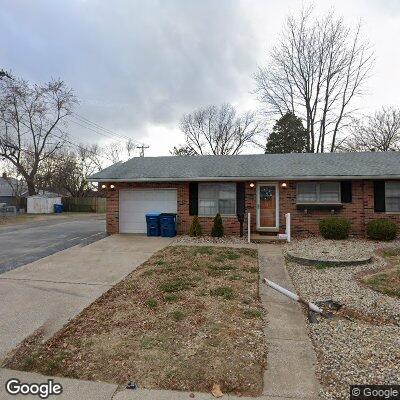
(358,186)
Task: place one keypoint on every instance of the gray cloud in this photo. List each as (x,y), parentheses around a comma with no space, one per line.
(132,63)
(138,65)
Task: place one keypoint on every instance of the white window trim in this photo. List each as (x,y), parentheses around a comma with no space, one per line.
(390,212)
(318,193)
(209,215)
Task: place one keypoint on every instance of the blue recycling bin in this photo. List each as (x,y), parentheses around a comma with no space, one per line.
(168,224)
(153,223)
(58,208)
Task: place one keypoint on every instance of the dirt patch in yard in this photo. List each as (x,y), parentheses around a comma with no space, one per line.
(186,319)
(386,280)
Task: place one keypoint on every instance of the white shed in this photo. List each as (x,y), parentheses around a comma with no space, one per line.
(42,204)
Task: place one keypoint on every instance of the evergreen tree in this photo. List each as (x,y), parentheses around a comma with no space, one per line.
(195,227)
(218,228)
(288,136)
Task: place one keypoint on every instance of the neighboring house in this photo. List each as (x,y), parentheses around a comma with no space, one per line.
(11,190)
(358,186)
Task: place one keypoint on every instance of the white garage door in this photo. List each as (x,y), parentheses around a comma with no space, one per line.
(134,204)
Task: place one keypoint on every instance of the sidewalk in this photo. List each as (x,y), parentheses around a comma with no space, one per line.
(291,358)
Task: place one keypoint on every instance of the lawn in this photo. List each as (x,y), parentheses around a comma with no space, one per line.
(188,318)
(387,281)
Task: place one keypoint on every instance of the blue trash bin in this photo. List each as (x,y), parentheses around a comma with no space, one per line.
(153,223)
(168,224)
(58,208)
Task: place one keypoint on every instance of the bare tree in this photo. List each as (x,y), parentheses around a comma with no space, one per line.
(217,130)
(117,151)
(319,66)
(30,120)
(68,170)
(377,132)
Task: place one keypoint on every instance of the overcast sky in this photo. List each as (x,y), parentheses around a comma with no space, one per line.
(137,66)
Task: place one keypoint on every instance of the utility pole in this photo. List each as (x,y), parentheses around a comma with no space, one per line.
(142,147)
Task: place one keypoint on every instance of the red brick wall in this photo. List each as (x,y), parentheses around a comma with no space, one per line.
(359,211)
(308,222)
(231,224)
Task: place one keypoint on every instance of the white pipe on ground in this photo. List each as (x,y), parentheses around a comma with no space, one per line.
(292,295)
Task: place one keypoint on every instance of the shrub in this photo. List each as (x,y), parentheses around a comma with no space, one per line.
(218,228)
(195,227)
(334,228)
(381,229)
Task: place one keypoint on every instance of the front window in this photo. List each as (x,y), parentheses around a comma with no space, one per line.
(217,198)
(318,192)
(392,196)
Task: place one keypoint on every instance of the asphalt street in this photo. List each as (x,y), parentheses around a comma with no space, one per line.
(25,243)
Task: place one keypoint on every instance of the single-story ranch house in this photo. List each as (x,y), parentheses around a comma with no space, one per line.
(357,186)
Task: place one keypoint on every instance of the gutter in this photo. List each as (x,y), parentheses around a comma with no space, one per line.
(248,178)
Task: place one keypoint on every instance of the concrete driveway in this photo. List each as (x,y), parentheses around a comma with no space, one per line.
(24,243)
(48,292)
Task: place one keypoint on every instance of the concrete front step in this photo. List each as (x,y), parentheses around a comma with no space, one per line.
(257,238)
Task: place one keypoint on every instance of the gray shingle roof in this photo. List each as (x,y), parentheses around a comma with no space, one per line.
(255,166)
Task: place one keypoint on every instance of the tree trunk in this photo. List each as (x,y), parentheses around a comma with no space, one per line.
(31,187)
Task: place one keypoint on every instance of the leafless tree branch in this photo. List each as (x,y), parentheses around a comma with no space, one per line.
(319,66)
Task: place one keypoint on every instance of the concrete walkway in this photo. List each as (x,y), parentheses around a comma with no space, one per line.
(290,371)
(291,358)
(49,292)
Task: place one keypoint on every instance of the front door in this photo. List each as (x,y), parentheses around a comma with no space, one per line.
(267,206)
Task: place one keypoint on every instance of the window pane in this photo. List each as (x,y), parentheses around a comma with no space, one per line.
(207,199)
(217,197)
(306,191)
(207,191)
(392,191)
(329,192)
(227,198)
(207,207)
(393,204)
(226,206)
(227,191)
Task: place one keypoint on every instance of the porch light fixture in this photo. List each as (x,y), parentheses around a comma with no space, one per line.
(251,184)
(103,186)
(284,184)
(112,186)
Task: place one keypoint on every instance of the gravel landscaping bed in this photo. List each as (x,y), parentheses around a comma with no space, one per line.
(209,239)
(318,248)
(364,349)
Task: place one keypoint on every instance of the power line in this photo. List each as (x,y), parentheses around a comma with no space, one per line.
(104,156)
(95,127)
(98,126)
(96,131)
